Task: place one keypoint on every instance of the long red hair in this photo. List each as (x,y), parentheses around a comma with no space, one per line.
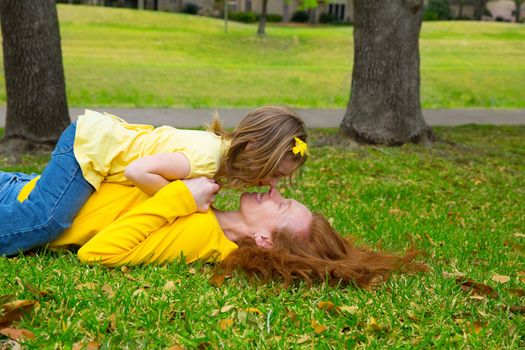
(323,256)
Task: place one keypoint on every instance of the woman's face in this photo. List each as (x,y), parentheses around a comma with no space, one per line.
(268,212)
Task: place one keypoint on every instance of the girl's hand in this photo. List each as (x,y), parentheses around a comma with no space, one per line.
(203,191)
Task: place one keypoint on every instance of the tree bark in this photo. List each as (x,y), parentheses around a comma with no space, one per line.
(479,9)
(37,110)
(518,10)
(384,106)
(262,18)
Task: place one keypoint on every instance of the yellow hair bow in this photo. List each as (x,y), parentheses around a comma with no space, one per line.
(300,147)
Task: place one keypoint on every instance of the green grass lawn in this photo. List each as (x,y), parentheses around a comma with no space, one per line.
(128,58)
(463,205)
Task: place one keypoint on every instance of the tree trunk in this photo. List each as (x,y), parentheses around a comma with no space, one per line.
(37,109)
(384,106)
(518,10)
(460,10)
(262,18)
(479,9)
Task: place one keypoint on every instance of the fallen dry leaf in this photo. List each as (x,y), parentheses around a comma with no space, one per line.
(217,280)
(350,309)
(453,274)
(225,323)
(476,288)
(192,271)
(124,269)
(14,311)
(303,339)
(514,309)
(374,326)
(517,292)
(500,278)
(227,308)
(254,310)
(327,306)
(106,288)
(92,345)
(17,334)
(30,288)
(112,325)
(475,327)
(170,285)
(318,328)
(519,235)
(88,285)
(138,292)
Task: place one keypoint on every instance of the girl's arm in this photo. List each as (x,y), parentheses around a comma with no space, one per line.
(152,173)
(125,241)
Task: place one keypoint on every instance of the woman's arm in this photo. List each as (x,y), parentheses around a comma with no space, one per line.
(125,241)
(152,173)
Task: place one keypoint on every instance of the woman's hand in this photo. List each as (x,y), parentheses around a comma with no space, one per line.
(203,191)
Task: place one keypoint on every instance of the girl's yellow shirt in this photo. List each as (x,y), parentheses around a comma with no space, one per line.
(105,145)
(120,225)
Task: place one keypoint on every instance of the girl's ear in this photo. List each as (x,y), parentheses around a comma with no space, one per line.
(263,240)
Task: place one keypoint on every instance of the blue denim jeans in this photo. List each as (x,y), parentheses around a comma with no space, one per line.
(50,208)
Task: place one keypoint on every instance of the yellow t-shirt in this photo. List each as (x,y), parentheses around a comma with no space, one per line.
(120,225)
(105,145)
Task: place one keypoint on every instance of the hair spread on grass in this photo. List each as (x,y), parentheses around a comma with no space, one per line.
(261,141)
(323,256)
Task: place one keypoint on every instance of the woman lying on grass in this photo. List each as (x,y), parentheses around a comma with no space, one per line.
(269,236)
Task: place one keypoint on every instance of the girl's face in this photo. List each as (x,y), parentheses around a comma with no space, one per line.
(286,167)
(265,213)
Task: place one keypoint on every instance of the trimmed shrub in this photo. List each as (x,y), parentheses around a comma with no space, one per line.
(274,17)
(300,16)
(436,10)
(190,8)
(326,17)
(245,17)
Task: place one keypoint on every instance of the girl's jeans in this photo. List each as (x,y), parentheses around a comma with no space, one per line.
(50,208)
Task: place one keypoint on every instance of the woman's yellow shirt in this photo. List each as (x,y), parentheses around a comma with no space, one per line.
(120,225)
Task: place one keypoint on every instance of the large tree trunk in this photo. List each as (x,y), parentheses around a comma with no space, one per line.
(518,10)
(37,109)
(262,18)
(479,9)
(384,106)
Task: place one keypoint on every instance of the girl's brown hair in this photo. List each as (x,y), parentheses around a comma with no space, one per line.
(323,255)
(261,141)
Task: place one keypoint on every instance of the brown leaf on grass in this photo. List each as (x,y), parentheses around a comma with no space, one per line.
(225,323)
(327,306)
(217,280)
(92,345)
(519,235)
(170,285)
(192,271)
(14,311)
(475,327)
(453,274)
(476,288)
(350,309)
(374,326)
(88,285)
(124,269)
(177,347)
(514,309)
(106,288)
(112,325)
(17,334)
(254,310)
(227,308)
(517,292)
(500,278)
(318,328)
(303,339)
